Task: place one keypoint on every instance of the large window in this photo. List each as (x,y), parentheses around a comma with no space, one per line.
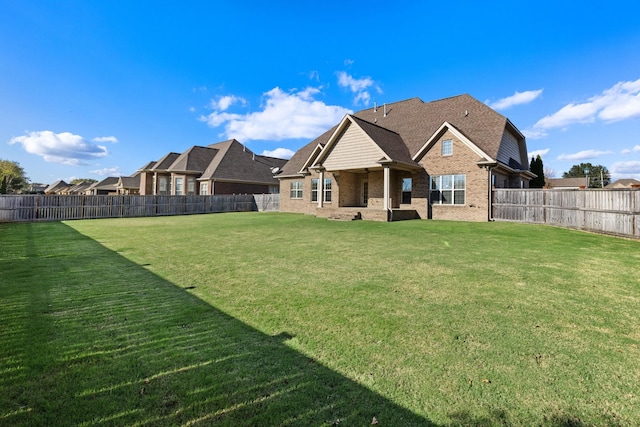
(164,184)
(204,188)
(296,189)
(327,190)
(314,189)
(447,147)
(448,189)
(191,185)
(407,183)
(179,187)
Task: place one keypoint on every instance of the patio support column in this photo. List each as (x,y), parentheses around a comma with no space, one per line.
(155,183)
(387,190)
(320,187)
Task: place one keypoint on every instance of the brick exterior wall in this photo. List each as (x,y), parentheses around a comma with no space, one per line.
(347,187)
(462,161)
(146,183)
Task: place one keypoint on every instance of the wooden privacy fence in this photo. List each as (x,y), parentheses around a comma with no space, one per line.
(614,211)
(26,208)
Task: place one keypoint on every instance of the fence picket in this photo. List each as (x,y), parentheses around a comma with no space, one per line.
(28,208)
(607,211)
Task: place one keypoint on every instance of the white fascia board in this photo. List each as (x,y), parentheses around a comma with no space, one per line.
(311,160)
(332,140)
(466,141)
(347,120)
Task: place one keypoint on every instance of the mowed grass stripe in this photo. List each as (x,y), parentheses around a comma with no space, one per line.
(437,322)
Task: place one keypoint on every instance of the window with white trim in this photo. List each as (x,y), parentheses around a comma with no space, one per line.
(327,190)
(295,189)
(191,185)
(164,184)
(314,189)
(448,189)
(447,147)
(179,187)
(204,188)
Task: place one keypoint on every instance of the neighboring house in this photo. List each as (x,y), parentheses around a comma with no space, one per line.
(105,187)
(226,167)
(566,183)
(408,159)
(56,187)
(129,185)
(75,189)
(37,188)
(624,183)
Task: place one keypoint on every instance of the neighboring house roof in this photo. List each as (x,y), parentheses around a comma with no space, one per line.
(223,161)
(234,162)
(129,181)
(194,160)
(164,163)
(146,167)
(566,182)
(403,129)
(56,186)
(623,183)
(78,188)
(107,184)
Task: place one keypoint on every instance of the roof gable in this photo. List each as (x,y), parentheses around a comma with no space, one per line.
(165,162)
(446,126)
(235,162)
(195,159)
(350,147)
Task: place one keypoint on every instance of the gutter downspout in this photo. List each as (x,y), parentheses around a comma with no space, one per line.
(490,194)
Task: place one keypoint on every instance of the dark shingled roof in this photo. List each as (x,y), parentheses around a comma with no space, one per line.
(235,162)
(56,186)
(195,159)
(129,181)
(107,184)
(415,121)
(165,162)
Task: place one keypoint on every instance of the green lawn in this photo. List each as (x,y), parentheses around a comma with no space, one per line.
(269,319)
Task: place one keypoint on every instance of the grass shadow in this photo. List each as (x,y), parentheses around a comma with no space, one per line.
(89,338)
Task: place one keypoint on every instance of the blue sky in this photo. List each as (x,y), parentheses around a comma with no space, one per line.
(96,88)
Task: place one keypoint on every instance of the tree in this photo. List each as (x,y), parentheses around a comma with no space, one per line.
(12,177)
(599,175)
(537,167)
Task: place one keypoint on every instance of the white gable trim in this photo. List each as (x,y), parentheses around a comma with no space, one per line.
(314,155)
(441,130)
(333,140)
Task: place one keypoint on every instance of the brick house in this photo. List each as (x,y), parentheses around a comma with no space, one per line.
(408,159)
(226,167)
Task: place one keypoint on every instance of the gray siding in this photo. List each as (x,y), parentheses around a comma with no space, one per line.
(509,149)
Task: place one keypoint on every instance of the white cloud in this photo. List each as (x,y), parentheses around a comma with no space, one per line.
(65,147)
(620,102)
(285,115)
(280,153)
(111,139)
(626,168)
(534,133)
(583,155)
(115,171)
(635,149)
(224,102)
(358,86)
(349,62)
(516,99)
(537,153)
